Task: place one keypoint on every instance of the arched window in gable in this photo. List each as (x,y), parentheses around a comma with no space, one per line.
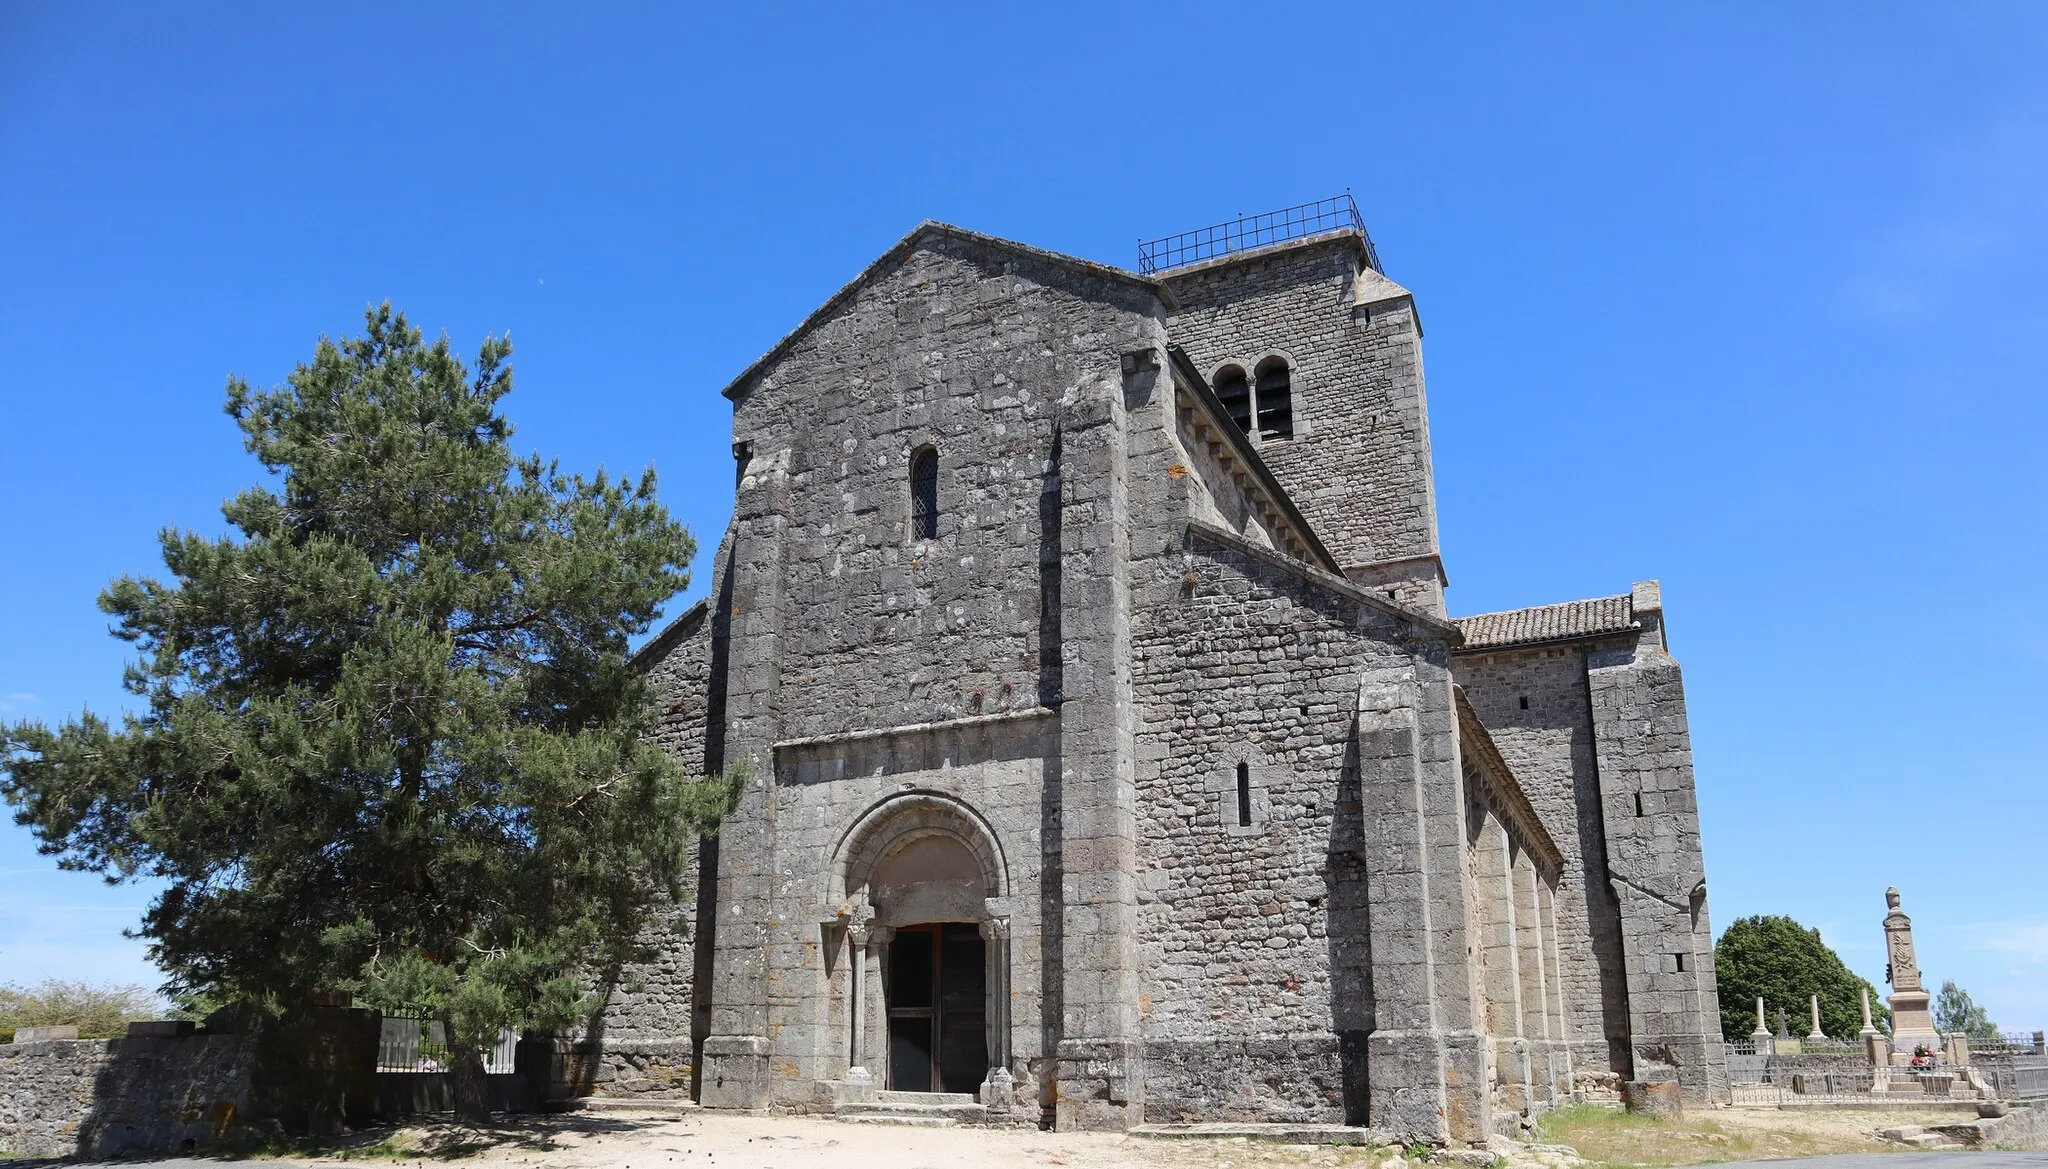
(924,494)
(1234,390)
(1275,388)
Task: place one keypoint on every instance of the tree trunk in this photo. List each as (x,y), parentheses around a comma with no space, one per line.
(467,1086)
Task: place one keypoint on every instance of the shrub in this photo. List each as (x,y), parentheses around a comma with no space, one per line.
(99,1011)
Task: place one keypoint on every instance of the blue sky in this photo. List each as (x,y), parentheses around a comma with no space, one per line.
(1744,297)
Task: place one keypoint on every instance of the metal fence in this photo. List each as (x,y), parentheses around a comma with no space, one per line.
(1338,213)
(1827,1047)
(416,1043)
(2012,1043)
(2013,1072)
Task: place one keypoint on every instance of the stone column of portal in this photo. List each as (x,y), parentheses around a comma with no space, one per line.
(999,1087)
(875,977)
(1912,1025)
(860,1082)
(1100,1055)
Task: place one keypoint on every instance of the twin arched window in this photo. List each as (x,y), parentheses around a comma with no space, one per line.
(924,494)
(1262,405)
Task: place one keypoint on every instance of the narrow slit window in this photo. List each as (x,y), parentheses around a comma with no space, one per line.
(1275,400)
(1681,961)
(1244,795)
(1525,702)
(1639,804)
(924,494)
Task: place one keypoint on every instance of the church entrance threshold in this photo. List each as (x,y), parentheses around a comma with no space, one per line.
(938,1008)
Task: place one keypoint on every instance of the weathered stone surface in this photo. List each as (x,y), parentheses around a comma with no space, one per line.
(101,1098)
(45,1034)
(1662,1099)
(1181,705)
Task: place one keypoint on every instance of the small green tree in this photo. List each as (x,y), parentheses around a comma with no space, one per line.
(391,741)
(99,1011)
(1786,962)
(1956,1013)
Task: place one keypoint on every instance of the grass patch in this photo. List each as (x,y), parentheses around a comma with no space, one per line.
(1613,1139)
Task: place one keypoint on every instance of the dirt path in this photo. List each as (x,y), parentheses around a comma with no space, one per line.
(726,1141)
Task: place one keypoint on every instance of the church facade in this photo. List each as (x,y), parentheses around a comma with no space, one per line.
(1112,758)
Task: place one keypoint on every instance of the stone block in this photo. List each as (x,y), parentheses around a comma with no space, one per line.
(1663,1099)
(45,1034)
(160,1028)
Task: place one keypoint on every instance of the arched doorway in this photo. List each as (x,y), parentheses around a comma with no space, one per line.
(922,883)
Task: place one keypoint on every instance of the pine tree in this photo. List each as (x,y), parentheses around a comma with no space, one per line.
(390,741)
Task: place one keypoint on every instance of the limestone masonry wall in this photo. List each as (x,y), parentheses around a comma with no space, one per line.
(103,1098)
(1549,746)
(968,351)
(1258,932)
(1358,465)
(1644,747)
(842,620)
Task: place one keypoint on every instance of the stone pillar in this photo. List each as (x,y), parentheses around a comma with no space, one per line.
(1643,750)
(1499,962)
(753,931)
(859,928)
(1425,1058)
(998,1088)
(1816,1033)
(875,1009)
(1876,1047)
(1101,1081)
(1535,993)
(1566,1074)
(1912,1024)
(1762,1035)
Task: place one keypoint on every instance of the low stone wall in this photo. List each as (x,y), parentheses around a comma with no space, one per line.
(644,1068)
(1284,1081)
(121,1097)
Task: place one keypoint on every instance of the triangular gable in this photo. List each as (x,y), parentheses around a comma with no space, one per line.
(901,251)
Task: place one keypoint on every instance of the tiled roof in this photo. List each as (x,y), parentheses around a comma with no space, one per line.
(1548,622)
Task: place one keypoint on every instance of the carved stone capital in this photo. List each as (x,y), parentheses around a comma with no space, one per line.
(859,917)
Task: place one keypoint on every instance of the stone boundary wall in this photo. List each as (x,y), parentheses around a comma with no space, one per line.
(102,1098)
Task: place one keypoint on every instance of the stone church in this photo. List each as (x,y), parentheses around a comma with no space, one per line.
(1112,756)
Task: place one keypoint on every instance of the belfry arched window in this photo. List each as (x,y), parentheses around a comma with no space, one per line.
(1275,393)
(1261,405)
(924,494)
(1234,390)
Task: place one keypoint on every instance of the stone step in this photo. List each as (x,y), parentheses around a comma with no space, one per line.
(911,1121)
(925,1097)
(650,1106)
(950,1113)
